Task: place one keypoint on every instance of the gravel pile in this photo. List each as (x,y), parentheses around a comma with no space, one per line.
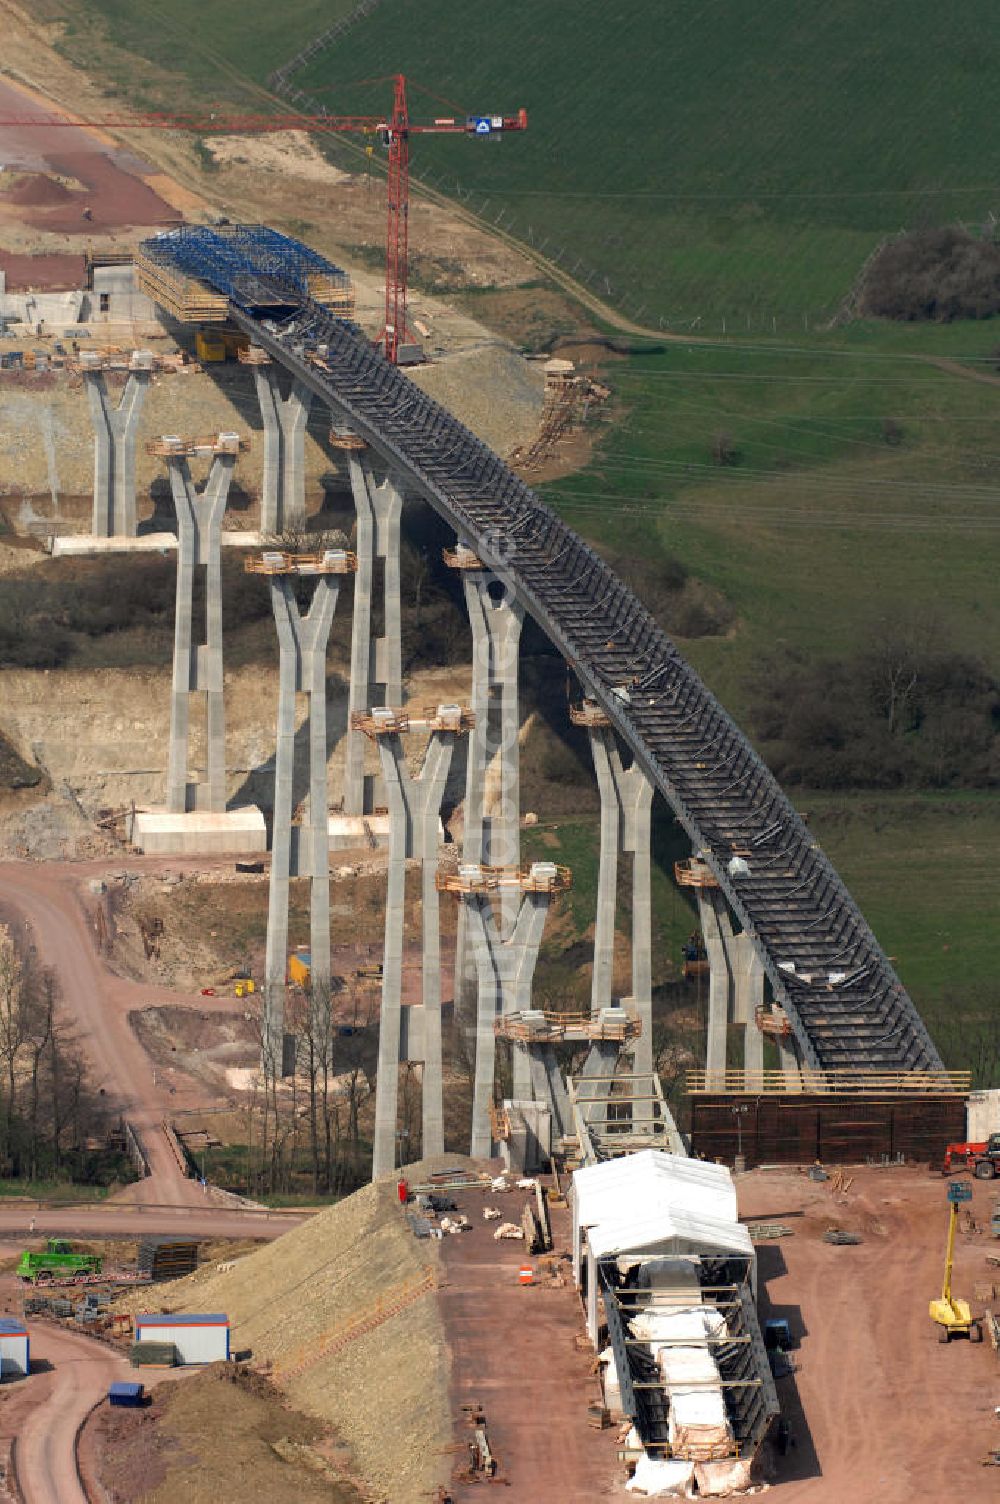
(386,1390)
(492,389)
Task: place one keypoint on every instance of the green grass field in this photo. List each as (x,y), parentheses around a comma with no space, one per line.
(824,531)
(702,162)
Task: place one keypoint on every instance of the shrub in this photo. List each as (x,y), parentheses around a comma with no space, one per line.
(941,274)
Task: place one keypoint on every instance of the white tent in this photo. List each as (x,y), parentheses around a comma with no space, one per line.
(647,1232)
(652,1181)
(650,1204)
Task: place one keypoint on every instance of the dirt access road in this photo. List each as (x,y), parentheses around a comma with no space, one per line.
(46,897)
(96,174)
(75,1374)
(879,1409)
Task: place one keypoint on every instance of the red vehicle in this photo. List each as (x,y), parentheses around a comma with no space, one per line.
(982,1159)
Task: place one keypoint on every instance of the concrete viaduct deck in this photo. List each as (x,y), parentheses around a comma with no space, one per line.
(846,1006)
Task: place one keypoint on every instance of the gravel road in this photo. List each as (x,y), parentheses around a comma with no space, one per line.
(81,1371)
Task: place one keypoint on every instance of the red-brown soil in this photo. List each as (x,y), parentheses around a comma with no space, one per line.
(112,186)
(36,273)
(878,1409)
(36,189)
(513,1351)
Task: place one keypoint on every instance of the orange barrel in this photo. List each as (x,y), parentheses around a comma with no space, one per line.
(526,1275)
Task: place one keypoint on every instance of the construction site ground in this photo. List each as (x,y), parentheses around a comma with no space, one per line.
(341,1314)
(878,1409)
(520,1353)
(171,1450)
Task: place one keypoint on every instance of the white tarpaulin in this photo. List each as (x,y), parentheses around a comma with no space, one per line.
(666,1479)
(720,1480)
(680,1324)
(698,1427)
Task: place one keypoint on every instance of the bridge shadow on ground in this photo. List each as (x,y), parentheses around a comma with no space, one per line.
(793,1453)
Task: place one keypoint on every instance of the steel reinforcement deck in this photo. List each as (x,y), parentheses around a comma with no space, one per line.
(847,1007)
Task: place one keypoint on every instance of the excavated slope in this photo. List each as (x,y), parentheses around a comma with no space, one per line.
(343,1309)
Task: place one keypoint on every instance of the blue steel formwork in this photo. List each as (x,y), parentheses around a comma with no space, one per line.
(252,265)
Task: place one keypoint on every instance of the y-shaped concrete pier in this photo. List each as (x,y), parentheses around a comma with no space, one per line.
(736,977)
(198,664)
(376,662)
(283,484)
(492,828)
(506,967)
(115,431)
(626,813)
(302,646)
(626,809)
(413,1033)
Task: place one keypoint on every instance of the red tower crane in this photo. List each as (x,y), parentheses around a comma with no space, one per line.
(394,131)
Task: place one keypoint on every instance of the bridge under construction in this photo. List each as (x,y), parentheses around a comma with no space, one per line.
(838,1010)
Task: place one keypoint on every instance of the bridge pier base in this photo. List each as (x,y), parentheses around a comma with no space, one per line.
(115,429)
(414,817)
(302,647)
(283,488)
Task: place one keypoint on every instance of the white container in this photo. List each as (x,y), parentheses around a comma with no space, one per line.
(198,1339)
(15,1358)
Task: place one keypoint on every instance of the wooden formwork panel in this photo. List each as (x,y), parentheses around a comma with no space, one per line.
(796,1128)
(188,300)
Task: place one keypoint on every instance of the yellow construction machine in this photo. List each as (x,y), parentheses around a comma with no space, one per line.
(953,1315)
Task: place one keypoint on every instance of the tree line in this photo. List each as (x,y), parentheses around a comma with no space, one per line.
(53,1123)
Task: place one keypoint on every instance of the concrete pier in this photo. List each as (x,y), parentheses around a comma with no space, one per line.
(376,662)
(492,831)
(198,663)
(283,494)
(302,850)
(626,826)
(115,430)
(736,977)
(717,934)
(414,824)
(505,966)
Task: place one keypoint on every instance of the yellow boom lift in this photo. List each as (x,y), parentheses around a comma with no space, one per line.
(953,1315)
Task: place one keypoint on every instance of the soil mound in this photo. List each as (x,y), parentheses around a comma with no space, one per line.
(36,189)
(343,1311)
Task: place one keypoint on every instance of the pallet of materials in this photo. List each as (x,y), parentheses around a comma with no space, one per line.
(167,1258)
(153,1355)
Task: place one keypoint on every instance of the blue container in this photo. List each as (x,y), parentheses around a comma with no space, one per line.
(130,1395)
